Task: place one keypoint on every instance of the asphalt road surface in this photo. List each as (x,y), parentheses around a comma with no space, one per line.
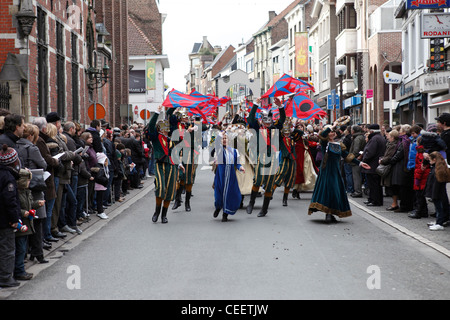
(285,255)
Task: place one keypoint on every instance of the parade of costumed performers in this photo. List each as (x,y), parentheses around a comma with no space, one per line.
(166,171)
(267,162)
(242,136)
(329,195)
(226,186)
(179,119)
(286,173)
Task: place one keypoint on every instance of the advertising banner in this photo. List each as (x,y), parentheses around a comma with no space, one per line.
(301,54)
(150,74)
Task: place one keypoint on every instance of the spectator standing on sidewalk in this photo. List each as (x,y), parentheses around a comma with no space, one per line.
(9,213)
(373,151)
(386,182)
(357,145)
(443,124)
(31,158)
(436,189)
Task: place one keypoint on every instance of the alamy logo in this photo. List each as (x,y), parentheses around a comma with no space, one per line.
(74,280)
(374,280)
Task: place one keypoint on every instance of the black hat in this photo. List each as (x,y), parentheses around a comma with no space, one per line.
(374,126)
(52,117)
(444,118)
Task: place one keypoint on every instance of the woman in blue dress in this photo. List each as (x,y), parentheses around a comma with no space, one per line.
(227,195)
(329,194)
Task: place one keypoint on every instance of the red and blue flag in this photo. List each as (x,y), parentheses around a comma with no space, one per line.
(302,107)
(177,99)
(287,85)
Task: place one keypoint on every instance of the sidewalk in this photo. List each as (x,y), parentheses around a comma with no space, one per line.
(416,228)
(89,228)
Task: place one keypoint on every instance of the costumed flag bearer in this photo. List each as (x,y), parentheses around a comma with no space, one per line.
(267,162)
(287,171)
(166,171)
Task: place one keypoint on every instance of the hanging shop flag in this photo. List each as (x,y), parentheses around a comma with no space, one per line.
(150,74)
(301,54)
(427,4)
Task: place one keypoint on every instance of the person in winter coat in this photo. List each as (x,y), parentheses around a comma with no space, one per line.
(421,172)
(31,158)
(373,151)
(357,145)
(415,133)
(436,189)
(90,158)
(48,148)
(9,213)
(402,178)
(386,182)
(26,205)
(101,178)
(432,141)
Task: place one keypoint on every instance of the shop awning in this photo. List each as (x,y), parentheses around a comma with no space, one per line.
(440,104)
(408,101)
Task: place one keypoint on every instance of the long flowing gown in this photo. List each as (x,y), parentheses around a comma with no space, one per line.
(227,194)
(329,194)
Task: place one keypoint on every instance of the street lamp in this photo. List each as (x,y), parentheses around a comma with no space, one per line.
(341,70)
(97,78)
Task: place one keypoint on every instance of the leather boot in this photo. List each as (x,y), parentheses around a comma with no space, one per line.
(188,201)
(224,217)
(252,201)
(178,201)
(294,193)
(285,198)
(164,215)
(156,214)
(265,207)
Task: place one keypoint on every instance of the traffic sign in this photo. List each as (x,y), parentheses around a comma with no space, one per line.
(98,112)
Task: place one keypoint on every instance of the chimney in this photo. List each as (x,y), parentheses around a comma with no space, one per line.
(272,15)
(205,41)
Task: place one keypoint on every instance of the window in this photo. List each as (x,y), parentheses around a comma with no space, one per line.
(413,47)
(42,48)
(325,71)
(75,80)
(249,67)
(60,71)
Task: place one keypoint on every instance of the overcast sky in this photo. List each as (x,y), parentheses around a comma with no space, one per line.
(224,22)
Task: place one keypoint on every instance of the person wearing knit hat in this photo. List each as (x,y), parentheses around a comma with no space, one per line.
(9,214)
(9,157)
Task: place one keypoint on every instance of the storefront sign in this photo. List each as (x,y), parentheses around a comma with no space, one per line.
(432,82)
(406,90)
(391,77)
(427,4)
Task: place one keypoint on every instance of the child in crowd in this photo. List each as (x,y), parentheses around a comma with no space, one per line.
(27,203)
(421,172)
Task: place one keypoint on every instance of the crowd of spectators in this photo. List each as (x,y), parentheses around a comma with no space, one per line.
(55,176)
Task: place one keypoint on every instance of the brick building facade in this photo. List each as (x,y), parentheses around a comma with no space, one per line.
(65,56)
